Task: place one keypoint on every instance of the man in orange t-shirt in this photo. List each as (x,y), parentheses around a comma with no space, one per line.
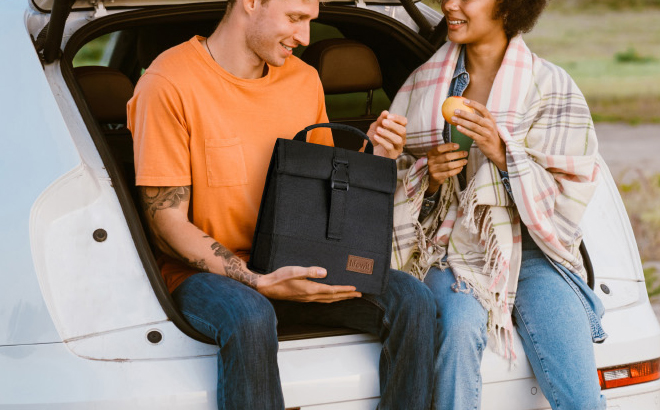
(205,117)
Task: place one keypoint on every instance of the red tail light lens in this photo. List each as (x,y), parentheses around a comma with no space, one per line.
(626,375)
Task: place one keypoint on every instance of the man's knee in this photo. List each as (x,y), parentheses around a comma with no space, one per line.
(412,297)
(251,320)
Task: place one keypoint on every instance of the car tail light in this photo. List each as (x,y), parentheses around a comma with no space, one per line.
(626,375)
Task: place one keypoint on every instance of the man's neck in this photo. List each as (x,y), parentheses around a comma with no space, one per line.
(228,49)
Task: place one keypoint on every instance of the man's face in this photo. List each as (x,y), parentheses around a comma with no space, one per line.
(279,26)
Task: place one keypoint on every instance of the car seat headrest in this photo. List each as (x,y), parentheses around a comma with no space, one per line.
(107,91)
(153,40)
(344,66)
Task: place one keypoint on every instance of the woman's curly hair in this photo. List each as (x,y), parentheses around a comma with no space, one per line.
(519,16)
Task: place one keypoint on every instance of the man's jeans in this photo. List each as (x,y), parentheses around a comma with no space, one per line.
(552,322)
(243,324)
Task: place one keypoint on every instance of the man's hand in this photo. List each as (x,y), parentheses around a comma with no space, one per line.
(388,134)
(290,283)
(444,162)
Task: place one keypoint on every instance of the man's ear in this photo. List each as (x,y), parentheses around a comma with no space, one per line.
(249,5)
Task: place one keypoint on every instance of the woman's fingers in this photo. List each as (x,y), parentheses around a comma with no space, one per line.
(482,128)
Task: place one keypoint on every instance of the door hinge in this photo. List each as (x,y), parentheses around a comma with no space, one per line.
(99,9)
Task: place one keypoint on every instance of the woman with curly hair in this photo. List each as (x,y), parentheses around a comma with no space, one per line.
(493,229)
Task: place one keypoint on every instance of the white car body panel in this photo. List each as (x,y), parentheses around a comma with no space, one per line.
(74,312)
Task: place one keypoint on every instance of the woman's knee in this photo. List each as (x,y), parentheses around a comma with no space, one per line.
(463,327)
(461,317)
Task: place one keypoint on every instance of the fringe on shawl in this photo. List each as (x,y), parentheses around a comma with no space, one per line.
(422,259)
(478,220)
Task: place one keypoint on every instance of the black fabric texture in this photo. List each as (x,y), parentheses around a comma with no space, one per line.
(304,221)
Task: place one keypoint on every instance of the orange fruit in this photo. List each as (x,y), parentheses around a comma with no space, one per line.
(452,104)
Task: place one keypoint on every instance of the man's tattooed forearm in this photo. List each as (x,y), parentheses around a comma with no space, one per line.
(234,266)
(200,264)
(158,198)
(220,251)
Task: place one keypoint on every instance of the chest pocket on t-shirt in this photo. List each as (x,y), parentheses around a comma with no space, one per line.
(225,165)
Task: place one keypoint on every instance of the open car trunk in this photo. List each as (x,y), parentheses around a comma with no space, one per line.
(138,36)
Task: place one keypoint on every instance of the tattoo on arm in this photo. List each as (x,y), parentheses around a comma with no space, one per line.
(200,264)
(234,266)
(158,198)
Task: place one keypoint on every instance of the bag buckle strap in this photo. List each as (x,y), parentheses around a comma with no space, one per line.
(339,178)
(338,195)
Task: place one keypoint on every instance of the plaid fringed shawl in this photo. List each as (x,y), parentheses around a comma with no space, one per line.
(551,156)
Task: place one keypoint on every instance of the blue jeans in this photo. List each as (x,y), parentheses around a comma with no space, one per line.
(550,318)
(244,325)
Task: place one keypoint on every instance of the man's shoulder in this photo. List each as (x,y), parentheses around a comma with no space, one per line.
(174,61)
(295,66)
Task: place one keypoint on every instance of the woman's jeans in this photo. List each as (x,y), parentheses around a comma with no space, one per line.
(243,324)
(549,317)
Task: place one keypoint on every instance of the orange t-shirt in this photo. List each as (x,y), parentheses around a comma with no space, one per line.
(193,123)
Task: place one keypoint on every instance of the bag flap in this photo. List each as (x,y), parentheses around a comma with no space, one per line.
(315,161)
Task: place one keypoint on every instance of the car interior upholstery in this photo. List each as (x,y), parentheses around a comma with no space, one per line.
(347,66)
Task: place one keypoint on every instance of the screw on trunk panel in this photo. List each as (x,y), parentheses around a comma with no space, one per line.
(154,336)
(605,289)
(100,235)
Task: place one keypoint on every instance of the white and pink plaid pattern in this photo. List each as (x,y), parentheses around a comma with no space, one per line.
(552,163)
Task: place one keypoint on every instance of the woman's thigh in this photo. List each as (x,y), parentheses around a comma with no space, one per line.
(555,331)
(459,312)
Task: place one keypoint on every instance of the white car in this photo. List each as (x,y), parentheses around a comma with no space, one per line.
(85,319)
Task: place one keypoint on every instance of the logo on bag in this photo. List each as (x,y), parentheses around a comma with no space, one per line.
(360,265)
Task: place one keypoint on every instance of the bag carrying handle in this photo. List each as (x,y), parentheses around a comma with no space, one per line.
(302,135)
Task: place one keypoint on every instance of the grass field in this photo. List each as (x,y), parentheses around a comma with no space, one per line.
(613,56)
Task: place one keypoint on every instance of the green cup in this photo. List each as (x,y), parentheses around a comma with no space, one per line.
(461,139)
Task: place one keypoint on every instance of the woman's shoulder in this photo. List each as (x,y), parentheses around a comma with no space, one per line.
(549,74)
(547,68)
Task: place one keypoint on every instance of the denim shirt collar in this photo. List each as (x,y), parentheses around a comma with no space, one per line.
(459,83)
(461,77)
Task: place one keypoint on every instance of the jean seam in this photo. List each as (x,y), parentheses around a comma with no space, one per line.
(597,333)
(477,404)
(480,349)
(541,361)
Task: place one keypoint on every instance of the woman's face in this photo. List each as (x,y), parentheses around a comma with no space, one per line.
(471,21)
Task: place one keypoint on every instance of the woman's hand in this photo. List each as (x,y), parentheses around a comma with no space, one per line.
(482,128)
(444,162)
